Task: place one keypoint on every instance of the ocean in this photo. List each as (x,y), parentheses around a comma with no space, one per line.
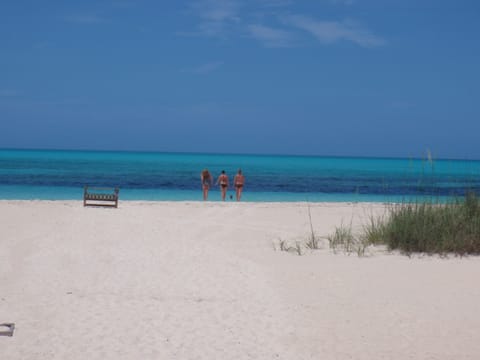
(61,175)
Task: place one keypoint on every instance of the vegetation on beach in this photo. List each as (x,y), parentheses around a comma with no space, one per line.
(429,227)
(422,227)
(344,240)
(436,225)
(283,245)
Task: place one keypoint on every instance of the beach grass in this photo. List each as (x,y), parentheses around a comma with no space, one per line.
(295,248)
(429,227)
(343,239)
(313,242)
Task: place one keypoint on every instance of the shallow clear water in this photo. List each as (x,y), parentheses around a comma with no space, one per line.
(36,174)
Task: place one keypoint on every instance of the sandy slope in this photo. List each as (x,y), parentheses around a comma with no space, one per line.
(203,281)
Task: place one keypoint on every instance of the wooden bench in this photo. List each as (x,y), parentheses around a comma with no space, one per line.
(97,196)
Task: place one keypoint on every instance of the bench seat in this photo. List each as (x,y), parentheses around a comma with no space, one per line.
(95,196)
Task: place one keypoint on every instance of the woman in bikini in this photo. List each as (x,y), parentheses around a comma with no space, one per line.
(238,182)
(206,179)
(223,181)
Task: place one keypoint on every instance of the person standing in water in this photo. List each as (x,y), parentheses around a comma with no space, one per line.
(206,179)
(223,181)
(238,182)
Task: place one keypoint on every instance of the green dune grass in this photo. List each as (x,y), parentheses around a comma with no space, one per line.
(429,227)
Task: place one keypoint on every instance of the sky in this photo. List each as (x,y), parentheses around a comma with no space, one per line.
(387,78)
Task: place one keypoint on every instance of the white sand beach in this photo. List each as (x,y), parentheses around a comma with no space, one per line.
(193,280)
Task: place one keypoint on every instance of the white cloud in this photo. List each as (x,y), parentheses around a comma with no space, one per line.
(329,32)
(271,37)
(224,18)
(216,15)
(219,10)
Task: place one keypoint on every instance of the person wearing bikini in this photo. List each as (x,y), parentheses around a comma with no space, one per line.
(238,182)
(223,181)
(206,179)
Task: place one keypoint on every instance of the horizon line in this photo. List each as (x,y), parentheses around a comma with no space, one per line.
(237,154)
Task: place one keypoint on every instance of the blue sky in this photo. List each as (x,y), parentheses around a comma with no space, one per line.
(324,77)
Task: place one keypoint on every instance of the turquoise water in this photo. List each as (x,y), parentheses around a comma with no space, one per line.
(52,175)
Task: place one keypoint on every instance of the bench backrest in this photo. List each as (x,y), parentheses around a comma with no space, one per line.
(101,194)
